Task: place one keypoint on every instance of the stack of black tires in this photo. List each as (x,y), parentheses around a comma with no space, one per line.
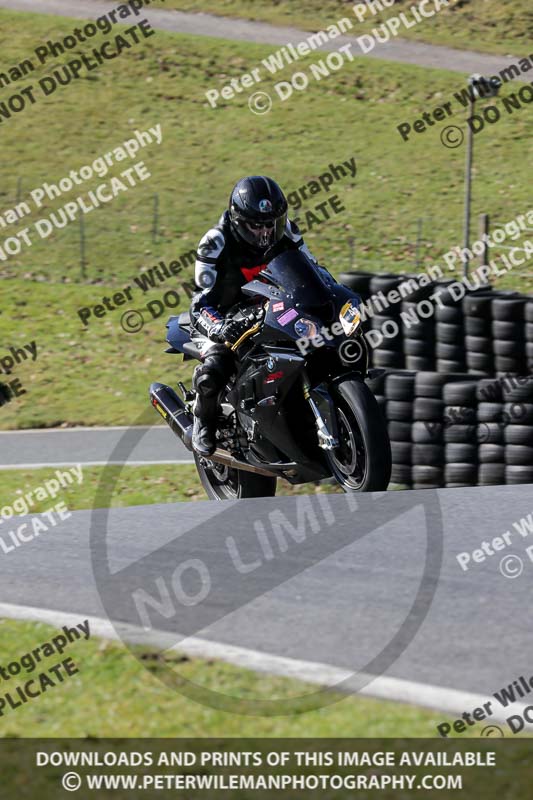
(460,412)
(508,339)
(485,333)
(460,434)
(477,310)
(386,322)
(490,421)
(449,335)
(427,431)
(418,337)
(450,430)
(518,432)
(399,394)
(528,331)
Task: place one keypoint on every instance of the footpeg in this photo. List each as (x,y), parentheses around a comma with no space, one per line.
(188,394)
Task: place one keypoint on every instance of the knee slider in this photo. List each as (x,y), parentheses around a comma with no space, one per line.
(221,364)
(206,381)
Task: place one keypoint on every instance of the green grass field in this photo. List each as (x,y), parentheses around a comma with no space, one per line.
(132,486)
(116,694)
(99,374)
(201,157)
(490,26)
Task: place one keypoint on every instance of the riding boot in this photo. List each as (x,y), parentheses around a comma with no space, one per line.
(205,424)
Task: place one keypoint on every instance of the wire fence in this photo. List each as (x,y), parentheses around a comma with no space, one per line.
(97,246)
(108,244)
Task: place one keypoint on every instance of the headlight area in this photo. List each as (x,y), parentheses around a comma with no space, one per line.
(346,329)
(350,318)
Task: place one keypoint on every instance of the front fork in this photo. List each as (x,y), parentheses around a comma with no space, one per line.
(324,413)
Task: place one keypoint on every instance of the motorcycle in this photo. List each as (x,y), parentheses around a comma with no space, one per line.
(297,406)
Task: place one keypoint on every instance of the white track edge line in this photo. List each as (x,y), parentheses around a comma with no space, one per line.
(82,429)
(450,701)
(57,465)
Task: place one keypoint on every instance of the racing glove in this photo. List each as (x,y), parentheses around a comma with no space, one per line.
(228,331)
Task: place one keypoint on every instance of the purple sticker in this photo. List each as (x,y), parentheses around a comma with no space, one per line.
(287,316)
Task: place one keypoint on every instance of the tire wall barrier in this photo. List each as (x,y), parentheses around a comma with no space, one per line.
(483,333)
(458,393)
(451,430)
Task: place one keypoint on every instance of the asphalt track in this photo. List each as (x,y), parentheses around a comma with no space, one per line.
(89,446)
(336,597)
(398,50)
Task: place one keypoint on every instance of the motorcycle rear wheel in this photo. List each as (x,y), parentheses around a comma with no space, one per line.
(225,483)
(362,462)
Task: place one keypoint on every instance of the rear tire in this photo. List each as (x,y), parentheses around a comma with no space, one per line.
(224,483)
(362,462)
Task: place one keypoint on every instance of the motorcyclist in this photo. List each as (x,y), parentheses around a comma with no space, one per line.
(253,230)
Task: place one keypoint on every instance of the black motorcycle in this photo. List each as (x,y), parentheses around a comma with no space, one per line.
(297,406)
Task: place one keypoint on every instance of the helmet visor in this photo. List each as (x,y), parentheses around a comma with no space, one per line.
(262,234)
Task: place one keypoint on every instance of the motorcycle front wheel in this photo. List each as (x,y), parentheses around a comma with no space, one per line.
(225,483)
(362,462)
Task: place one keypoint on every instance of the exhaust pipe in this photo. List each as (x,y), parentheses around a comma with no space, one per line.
(223,457)
(172,409)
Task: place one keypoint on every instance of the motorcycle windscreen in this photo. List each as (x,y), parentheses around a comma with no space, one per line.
(297,277)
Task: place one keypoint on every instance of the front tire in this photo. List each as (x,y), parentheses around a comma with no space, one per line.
(362,462)
(225,483)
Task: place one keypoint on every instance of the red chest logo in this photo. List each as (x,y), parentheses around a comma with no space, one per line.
(251,272)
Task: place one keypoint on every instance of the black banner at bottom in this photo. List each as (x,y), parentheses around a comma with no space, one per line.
(281,768)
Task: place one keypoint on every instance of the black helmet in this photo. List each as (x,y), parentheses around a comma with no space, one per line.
(258,211)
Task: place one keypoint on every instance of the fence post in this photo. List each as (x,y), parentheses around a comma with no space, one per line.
(351,242)
(82,247)
(155,224)
(484,224)
(468,186)
(418,241)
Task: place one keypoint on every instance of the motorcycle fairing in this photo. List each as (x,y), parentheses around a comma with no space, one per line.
(265,404)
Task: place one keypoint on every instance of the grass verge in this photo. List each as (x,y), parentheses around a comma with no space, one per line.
(490,26)
(116,694)
(134,486)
